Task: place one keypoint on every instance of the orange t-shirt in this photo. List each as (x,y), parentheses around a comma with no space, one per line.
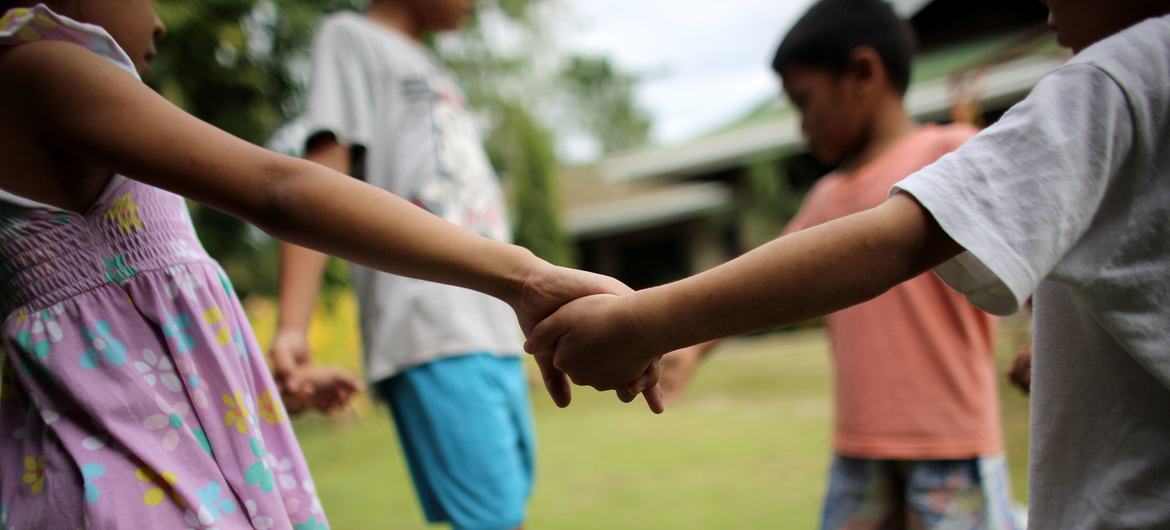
(915,367)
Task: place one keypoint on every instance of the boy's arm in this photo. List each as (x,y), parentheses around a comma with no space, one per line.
(604,341)
(301,270)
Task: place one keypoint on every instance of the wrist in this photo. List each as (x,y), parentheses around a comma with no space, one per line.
(648,328)
(521,266)
(659,323)
(291,331)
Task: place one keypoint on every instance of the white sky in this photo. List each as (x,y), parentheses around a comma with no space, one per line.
(703,62)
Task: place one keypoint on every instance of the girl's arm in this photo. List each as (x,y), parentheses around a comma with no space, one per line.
(604,341)
(83,105)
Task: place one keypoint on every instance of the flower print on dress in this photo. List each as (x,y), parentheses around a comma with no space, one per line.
(312,524)
(169,420)
(237,412)
(45,332)
(211,507)
(161,486)
(117,270)
(195,384)
(175,327)
(124,212)
(34,474)
(214,318)
(283,467)
(259,521)
(311,489)
(259,473)
(271,409)
(94,443)
(156,369)
(47,415)
(89,473)
(181,281)
(102,346)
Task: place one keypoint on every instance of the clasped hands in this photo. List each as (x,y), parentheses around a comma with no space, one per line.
(585,328)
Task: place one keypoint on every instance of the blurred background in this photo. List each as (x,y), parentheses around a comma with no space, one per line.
(646,140)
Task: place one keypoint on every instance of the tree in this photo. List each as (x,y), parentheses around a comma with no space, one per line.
(525,149)
(602,98)
(239,64)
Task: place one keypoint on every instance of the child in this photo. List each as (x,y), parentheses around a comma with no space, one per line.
(916,437)
(384,109)
(133,394)
(1067,196)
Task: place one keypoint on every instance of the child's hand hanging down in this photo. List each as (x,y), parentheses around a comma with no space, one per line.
(325,388)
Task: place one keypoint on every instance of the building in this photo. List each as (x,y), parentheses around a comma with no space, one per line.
(657,214)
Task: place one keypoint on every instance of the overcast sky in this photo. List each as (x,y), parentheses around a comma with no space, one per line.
(704,63)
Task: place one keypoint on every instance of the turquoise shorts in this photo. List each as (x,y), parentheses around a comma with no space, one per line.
(919,495)
(465,425)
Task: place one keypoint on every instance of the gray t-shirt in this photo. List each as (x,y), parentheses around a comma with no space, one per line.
(1068,197)
(376,88)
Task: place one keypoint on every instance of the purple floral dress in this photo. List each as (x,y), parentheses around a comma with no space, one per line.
(132,392)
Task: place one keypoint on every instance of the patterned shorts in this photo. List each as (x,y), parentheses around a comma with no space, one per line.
(969,494)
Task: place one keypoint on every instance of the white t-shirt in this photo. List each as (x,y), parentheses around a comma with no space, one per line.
(376,88)
(1068,197)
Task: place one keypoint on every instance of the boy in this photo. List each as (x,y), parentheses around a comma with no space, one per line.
(1067,196)
(382,108)
(916,439)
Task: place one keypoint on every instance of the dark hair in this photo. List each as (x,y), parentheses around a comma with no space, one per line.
(831,30)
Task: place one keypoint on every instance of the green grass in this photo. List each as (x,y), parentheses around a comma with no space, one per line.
(747,448)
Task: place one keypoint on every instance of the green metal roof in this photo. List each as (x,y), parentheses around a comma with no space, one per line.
(927,67)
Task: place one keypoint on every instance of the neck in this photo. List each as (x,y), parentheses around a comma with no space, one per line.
(890,124)
(397,16)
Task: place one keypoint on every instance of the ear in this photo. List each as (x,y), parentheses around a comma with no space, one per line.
(866,70)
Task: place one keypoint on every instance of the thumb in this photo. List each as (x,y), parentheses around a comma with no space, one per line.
(543,339)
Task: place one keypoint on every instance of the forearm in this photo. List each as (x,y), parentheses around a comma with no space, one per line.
(300,279)
(799,276)
(314,207)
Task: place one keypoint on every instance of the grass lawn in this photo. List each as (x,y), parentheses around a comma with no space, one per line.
(747,448)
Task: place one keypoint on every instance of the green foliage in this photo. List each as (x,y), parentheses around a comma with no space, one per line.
(238,64)
(604,103)
(230,62)
(771,201)
(525,150)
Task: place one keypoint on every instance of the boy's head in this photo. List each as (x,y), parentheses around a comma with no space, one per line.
(438,15)
(1080,23)
(840,63)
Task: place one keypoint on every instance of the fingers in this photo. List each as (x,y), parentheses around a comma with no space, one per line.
(654,399)
(647,385)
(555,381)
(648,379)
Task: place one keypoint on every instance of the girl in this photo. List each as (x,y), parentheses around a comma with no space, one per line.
(133,394)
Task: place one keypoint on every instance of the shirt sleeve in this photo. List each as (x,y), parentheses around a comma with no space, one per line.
(1019,195)
(340,96)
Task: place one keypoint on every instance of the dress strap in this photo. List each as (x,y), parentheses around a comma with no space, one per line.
(30,24)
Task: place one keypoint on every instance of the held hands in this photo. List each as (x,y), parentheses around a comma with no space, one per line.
(599,342)
(544,290)
(303,384)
